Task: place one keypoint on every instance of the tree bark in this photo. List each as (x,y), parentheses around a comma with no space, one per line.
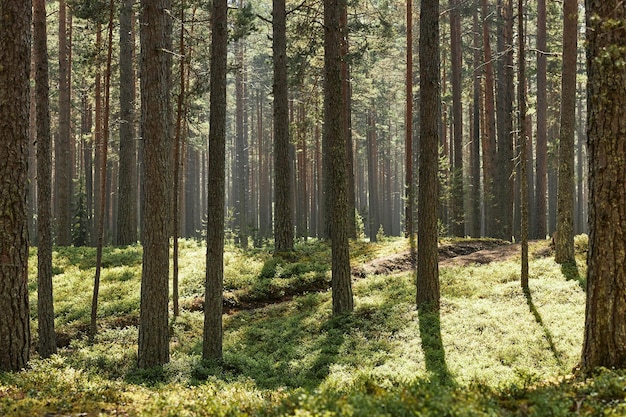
(457,216)
(212,339)
(127,189)
(156,83)
(605,318)
(45,307)
(564,240)
(489,138)
(541,187)
(521,97)
(15,51)
(372,177)
(335,156)
(63,162)
(283,176)
(503,190)
(428,198)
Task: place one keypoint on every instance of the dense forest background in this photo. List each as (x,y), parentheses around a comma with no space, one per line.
(475,52)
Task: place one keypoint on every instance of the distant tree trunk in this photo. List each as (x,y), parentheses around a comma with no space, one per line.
(97,139)
(45,307)
(265,203)
(456,203)
(474,229)
(240,174)
(302,201)
(541,188)
(283,187)
(564,241)
(489,139)
(15,50)
(605,321)
(86,125)
(63,163)
(521,97)
(102,174)
(580,212)
(408,135)
(428,199)
(156,85)
(212,339)
(127,192)
(372,177)
(504,101)
(335,156)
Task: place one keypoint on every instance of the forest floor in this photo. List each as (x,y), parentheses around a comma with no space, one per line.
(492,350)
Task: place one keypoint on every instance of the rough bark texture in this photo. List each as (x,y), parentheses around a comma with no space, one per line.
(63,162)
(127,182)
(564,239)
(156,31)
(605,321)
(45,307)
(283,176)
(457,216)
(240,177)
(541,187)
(212,340)
(428,198)
(15,27)
(334,154)
(489,138)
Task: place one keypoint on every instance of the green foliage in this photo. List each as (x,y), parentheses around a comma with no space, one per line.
(491,351)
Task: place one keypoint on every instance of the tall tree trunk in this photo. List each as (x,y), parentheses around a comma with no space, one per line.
(156,85)
(428,199)
(127,191)
(97,139)
(63,163)
(240,175)
(489,139)
(15,50)
(45,307)
(504,102)
(564,240)
(408,135)
(335,156)
(521,97)
(474,229)
(605,318)
(212,339)
(103,145)
(283,210)
(456,202)
(541,187)
(580,212)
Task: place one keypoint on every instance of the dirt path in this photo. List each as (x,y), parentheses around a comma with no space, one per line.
(456,254)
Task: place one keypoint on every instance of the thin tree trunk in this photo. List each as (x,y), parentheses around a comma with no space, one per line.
(103,177)
(541,189)
(521,97)
(456,201)
(564,240)
(372,177)
(45,307)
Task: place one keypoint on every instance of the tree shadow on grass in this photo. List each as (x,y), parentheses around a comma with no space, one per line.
(570,272)
(546,332)
(432,345)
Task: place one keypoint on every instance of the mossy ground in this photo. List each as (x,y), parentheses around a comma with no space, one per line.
(491,351)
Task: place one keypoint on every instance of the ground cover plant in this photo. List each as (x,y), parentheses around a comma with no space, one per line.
(492,350)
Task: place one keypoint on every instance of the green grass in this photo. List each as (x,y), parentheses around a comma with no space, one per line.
(491,351)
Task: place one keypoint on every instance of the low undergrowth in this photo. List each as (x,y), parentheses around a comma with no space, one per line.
(492,351)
